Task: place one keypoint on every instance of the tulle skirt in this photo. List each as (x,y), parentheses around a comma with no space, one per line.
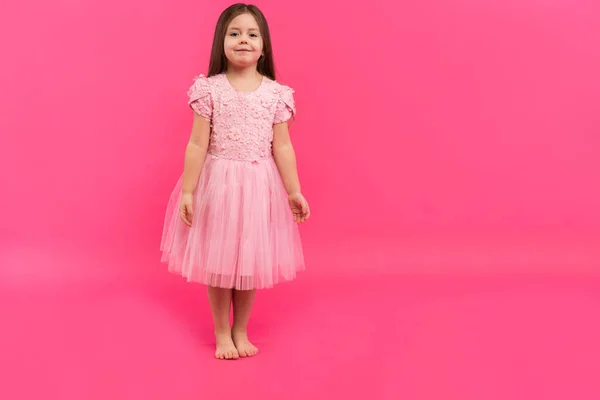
(243,235)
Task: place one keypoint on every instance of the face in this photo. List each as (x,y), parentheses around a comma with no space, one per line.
(243,42)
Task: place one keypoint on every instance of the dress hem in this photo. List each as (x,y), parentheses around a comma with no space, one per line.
(175,270)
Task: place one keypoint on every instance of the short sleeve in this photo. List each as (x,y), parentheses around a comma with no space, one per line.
(286,106)
(199,98)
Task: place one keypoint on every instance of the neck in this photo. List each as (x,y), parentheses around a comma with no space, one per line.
(242,72)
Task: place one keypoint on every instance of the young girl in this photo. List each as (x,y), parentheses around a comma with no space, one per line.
(231,221)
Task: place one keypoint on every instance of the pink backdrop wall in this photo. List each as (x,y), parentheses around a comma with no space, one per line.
(414,117)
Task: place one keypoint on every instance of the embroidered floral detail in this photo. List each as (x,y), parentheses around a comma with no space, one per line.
(242,122)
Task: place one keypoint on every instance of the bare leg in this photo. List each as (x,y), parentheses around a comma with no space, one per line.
(242,307)
(220,305)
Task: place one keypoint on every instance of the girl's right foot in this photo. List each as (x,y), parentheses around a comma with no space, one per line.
(225,348)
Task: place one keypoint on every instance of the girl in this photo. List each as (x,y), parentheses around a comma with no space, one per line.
(231,221)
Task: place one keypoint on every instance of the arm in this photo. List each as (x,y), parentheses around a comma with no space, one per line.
(285,158)
(195,153)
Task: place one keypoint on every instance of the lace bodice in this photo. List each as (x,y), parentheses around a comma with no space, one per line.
(242,122)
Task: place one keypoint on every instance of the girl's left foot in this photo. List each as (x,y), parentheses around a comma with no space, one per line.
(243,345)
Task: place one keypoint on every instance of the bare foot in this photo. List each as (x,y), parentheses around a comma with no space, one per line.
(243,345)
(225,348)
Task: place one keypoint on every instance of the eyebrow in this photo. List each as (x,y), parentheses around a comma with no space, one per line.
(235,28)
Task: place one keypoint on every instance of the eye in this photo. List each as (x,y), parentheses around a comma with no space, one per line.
(233,34)
(254,35)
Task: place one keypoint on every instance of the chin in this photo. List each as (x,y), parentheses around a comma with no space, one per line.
(243,62)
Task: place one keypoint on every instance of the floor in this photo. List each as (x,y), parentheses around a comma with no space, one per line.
(375,335)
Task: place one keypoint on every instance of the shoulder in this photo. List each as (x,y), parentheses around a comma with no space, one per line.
(203,86)
(200,86)
(284,93)
(203,81)
(281,88)
(201,90)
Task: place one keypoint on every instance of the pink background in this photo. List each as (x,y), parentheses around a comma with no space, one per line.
(451,118)
(438,117)
(432,136)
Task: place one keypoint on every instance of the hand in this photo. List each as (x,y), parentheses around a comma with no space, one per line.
(186,207)
(299,207)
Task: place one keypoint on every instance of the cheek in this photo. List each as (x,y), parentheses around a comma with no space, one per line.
(229,44)
(258,47)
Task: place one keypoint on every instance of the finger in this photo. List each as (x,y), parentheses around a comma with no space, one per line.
(189,213)
(182,216)
(185,218)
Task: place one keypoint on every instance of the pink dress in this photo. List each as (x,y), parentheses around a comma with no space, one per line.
(243,235)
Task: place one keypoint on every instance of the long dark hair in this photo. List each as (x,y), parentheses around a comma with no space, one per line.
(218,61)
